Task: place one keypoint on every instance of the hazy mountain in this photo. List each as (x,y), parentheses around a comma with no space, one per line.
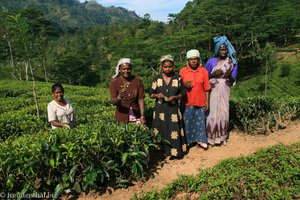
(71,14)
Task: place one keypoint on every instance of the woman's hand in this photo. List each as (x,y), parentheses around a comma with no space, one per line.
(66,126)
(206,106)
(213,83)
(188,84)
(159,96)
(171,98)
(143,120)
(215,74)
(121,95)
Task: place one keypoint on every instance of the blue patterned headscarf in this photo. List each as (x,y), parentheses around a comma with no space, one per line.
(219,41)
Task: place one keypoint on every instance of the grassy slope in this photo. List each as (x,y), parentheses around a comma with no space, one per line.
(278,84)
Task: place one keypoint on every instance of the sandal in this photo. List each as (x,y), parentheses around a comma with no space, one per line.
(203,145)
(224,143)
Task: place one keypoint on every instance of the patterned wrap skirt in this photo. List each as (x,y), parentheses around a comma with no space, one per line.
(194,124)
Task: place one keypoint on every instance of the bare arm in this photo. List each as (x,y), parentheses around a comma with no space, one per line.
(207,100)
(142,110)
(157,96)
(116,96)
(116,100)
(59,124)
(175,97)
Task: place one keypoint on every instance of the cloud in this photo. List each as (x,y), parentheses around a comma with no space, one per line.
(158,9)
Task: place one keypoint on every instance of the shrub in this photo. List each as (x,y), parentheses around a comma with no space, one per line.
(262,114)
(272,173)
(285,70)
(76,159)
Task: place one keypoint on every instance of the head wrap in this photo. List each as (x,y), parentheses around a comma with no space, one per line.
(192,53)
(167,57)
(121,62)
(219,41)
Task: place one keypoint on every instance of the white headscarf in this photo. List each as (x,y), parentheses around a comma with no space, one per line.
(192,53)
(121,62)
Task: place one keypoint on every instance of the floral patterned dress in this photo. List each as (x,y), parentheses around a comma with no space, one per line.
(167,119)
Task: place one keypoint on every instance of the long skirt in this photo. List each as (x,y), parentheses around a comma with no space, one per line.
(218,118)
(167,123)
(194,124)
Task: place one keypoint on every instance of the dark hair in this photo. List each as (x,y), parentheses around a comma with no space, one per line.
(57,85)
(163,62)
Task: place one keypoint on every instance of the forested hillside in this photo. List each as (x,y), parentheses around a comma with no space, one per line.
(260,31)
(71,15)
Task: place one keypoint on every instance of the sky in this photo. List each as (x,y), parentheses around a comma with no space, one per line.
(158,9)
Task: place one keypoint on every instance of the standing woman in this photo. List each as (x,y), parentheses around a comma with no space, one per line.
(127,94)
(60,110)
(222,69)
(195,79)
(167,89)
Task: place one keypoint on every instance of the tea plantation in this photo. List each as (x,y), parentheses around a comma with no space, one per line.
(99,152)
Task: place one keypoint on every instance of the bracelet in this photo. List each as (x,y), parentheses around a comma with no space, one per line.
(142,117)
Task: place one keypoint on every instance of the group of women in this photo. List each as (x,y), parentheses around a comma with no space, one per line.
(191,107)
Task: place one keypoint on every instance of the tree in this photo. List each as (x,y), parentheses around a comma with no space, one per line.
(269,59)
(71,69)
(20,42)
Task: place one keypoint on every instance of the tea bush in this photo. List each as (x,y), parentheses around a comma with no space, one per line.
(263,114)
(78,159)
(98,151)
(272,173)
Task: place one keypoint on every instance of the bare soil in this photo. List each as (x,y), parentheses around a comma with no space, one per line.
(239,144)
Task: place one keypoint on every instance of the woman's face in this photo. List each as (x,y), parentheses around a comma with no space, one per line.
(223,51)
(125,70)
(194,62)
(167,67)
(58,94)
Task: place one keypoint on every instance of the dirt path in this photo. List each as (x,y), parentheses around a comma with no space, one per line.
(238,144)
